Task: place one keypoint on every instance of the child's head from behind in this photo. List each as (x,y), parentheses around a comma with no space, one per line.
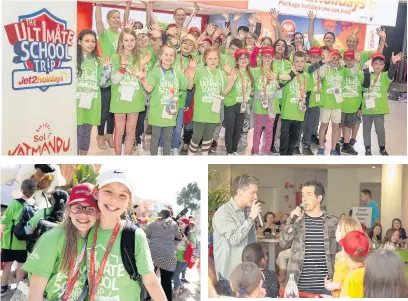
(355,245)
(113,192)
(346,225)
(299,60)
(246,281)
(255,253)
(28,188)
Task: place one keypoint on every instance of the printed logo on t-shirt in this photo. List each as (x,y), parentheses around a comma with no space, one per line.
(167,88)
(88,80)
(60,284)
(131,81)
(351,86)
(376,90)
(334,78)
(210,85)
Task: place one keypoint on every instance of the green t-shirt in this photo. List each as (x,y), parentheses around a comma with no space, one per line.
(316,88)
(88,92)
(164,83)
(39,215)
(45,259)
(271,88)
(227,59)
(153,58)
(185,61)
(182,247)
(122,92)
(116,284)
(379,92)
(352,93)
(333,80)
(282,67)
(207,83)
(240,86)
(291,95)
(12,213)
(109,42)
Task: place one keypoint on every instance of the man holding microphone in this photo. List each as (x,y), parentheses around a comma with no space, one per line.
(311,234)
(234,227)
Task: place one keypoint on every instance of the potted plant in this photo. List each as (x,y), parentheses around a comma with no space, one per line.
(219,194)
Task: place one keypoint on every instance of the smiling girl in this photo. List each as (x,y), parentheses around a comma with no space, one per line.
(57,263)
(107,276)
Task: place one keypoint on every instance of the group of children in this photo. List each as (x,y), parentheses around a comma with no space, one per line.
(182,78)
(359,271)
(84,257)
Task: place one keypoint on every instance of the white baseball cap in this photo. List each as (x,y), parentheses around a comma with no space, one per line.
(115,175)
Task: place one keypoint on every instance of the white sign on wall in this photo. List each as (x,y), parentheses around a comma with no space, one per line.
(363,215)
(39,66)
(380,12)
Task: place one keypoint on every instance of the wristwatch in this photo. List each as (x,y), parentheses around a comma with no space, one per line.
(250,219)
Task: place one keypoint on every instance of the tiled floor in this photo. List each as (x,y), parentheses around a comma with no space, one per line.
(395,131)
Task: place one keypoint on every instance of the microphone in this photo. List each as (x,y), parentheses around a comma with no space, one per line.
(295,217)
(259,214)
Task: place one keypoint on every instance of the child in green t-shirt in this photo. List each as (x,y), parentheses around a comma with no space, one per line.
(127,92)
(92,73)
(164,83)
(294,104)
(375,101)
(114,195)
(57,265)
(13,249)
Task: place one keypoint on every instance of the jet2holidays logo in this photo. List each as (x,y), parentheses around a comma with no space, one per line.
(41,44)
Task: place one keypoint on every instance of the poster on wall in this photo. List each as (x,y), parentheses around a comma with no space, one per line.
(39,65)
(379,12)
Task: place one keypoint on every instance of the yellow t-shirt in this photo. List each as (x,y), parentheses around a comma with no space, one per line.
(341,270)
(353,284)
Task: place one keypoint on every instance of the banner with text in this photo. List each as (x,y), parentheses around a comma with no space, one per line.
(39,66)
(363,215)
(379,12)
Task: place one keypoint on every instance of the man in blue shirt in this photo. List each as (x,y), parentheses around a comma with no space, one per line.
(365,196)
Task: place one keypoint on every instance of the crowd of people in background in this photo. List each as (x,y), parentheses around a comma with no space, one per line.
(322,254)
(70,248)
(187,84)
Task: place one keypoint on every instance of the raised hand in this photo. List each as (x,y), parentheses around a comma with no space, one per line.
(311,15)
(258,17)
(156,27)
(274,13)
(381,33)
(145,59)
(356,30)
(294,70)
(271,76)
(252,20)
(129,23)
(357,56)
(397,58)
(217,33)
(226,17)
(226,31)
(227,69)
(237,17)
(155,34)
(193,64)
(106,61)
(138,73)
(232,77)
(210,29)
(174,31)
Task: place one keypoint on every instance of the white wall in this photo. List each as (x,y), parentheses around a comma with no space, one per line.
(404,214)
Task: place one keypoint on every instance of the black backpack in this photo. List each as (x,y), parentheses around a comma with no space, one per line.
(44,225)
(127,249)
(18,229)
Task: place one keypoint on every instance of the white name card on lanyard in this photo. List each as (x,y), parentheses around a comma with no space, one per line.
(217,98)
(85,100)
(126,93)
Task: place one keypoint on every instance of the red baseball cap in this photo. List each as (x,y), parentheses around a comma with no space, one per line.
(267,50)
(378,56)
(194,29)
(349,54)
(207,40)
(355,243)
(82,193)
(315,51)
(185,220)
(240,52)
(335,52)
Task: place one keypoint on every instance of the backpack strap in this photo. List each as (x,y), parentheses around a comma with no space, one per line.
(21,201)
(127,249)
(47,200)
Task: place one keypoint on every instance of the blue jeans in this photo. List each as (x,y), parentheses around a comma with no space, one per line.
(175,142)
(177,273)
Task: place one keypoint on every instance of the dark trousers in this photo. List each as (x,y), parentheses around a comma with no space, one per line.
(275,125)
(140,126)
(106,116)
(165,280)
(233,120)
(290,132)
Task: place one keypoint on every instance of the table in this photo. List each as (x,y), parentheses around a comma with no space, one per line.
(271,242)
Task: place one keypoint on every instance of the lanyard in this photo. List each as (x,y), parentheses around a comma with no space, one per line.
(74,272)
(302,91)
(318,80)
(222,79)
(374,83)
(95,281)
(172,86)
(244,91)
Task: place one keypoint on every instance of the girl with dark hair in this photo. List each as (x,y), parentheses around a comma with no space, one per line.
(162,234)
(391,239)
(237,101)
(297,43)
(257,254)
(92,73)
(269,220)
(397,224)
(384,275)
(376,235)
